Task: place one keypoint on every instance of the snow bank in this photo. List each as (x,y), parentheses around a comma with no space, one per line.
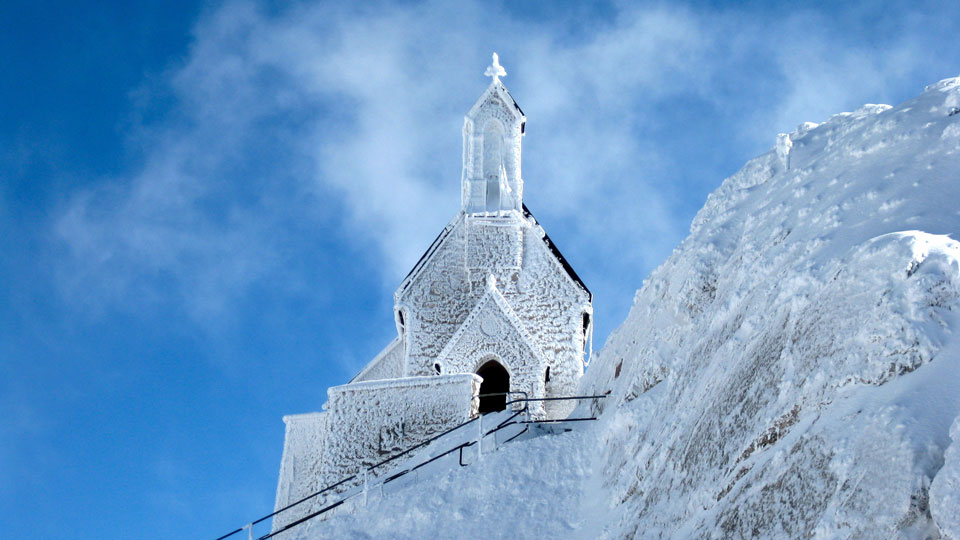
(945,491)
(528,489)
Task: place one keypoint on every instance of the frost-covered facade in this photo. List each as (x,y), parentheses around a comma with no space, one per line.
(791,371)
(491,307)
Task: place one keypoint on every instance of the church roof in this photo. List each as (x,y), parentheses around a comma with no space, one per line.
(504,94)
(556,253)
(426,254)
(452,225)
(496,85)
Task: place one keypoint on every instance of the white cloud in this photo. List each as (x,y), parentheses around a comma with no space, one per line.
(357,113)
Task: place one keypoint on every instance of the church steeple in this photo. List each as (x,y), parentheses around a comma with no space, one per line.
(492,132)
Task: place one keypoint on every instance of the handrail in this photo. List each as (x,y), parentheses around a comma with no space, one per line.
(505,423)
(435,437)
(289,506)
(370,468)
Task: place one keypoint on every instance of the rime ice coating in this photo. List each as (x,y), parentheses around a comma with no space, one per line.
(791,371)
(491,288)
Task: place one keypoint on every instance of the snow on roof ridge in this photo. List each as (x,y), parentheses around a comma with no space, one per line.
(288,417)
(555,251)
(376,359)
(422,261)
(398,381)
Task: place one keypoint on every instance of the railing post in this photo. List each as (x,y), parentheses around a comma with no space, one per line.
(480,438)
(249,528)
(365,475)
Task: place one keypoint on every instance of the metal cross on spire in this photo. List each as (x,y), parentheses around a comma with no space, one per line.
(495,70)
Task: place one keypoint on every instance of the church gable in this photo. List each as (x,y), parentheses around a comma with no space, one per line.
(424,261)
(493,331)
(497,95)
(435,301)
(496,103)
(443,289)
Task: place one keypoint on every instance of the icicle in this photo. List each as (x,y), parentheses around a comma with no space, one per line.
(480,438)
(365,487)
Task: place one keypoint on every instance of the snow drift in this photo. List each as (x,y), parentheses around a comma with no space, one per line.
(791,371)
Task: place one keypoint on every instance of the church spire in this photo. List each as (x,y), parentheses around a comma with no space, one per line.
(492,132)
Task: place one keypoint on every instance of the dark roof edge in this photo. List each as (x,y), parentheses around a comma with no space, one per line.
(426,254)
(515,104)
(556,253)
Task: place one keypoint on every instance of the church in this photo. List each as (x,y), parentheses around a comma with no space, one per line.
(491,309)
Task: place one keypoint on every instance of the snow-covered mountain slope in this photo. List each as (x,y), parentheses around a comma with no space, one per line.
(791,371)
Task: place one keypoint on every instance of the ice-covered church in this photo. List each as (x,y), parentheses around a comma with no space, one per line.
(491,307)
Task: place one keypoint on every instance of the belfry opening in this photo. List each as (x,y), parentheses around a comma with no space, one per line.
(496,381)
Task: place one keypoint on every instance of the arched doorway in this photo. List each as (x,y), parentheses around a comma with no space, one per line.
(496,380)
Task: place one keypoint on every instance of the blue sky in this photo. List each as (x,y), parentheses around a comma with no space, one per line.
(205,207)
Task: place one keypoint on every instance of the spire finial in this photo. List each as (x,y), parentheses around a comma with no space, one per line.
(495,70)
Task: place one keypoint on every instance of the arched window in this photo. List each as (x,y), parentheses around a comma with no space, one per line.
(493,163)
(586,329)
(493,389)
(402,320)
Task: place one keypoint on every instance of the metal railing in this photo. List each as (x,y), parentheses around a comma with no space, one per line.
(366,471)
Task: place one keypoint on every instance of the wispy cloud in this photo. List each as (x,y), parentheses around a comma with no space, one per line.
(348,119)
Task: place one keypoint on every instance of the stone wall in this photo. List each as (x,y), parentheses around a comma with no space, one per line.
(373,420)
(364,424)
(300,466)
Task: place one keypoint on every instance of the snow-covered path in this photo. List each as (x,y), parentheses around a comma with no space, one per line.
(511,482)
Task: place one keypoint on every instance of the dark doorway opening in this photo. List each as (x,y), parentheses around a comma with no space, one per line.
(496,380)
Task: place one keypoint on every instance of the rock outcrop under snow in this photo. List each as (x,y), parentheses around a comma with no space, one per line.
(791,371)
